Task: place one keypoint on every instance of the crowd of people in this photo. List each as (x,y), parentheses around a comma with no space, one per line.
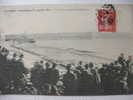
(12,71)
(44,78)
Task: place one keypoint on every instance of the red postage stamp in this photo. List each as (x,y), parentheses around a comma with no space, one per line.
(107,18)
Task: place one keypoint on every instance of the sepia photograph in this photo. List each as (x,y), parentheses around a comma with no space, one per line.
(66,49)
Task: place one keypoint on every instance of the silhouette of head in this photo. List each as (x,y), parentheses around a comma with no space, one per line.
(54,65)
(47,65)
(122,55)
(86,66)
(91,65)
(68,67)
(41,62)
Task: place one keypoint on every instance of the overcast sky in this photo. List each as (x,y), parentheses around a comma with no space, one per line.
(61,1)
(81,18)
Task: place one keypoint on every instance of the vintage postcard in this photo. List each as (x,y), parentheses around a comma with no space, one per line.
(66,49)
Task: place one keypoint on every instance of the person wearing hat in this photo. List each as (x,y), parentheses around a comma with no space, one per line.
(54,74)
(68,81)
(37,76)
(19,72)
